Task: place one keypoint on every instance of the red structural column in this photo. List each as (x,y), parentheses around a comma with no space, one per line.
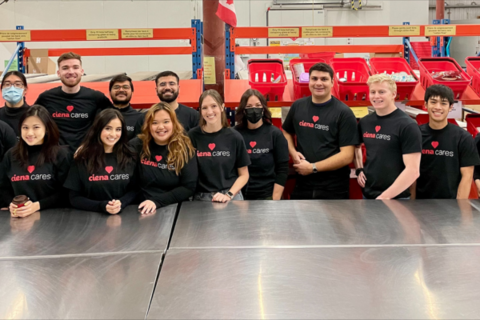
(440,10)
(214,42)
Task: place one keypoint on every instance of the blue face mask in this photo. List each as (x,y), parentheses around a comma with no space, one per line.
(12,95)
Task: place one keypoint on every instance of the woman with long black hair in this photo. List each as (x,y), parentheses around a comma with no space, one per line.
(36,167)
(167,168)
(102,176)
(266,146)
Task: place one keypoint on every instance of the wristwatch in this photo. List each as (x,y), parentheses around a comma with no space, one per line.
(230,194)
(314,168)
(357,172)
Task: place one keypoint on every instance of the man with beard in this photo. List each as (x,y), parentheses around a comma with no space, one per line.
(121,90)
(167,83)
(72,106)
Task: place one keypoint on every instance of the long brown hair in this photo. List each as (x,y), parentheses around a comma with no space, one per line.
(218,99)
(92,152)
(50,145)
(180,148)
(240,112)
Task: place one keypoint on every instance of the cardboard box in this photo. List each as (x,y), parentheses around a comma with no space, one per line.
(39,62)
(385,55)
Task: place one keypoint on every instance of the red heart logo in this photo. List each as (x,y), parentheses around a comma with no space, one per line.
(158,158)
(70,108)
(211,146)
(253,144)
(315,118)
(31,169)
(109,169)
(435,144)
(377,128)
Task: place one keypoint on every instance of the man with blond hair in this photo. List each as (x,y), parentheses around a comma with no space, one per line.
(394,145)
(72,106)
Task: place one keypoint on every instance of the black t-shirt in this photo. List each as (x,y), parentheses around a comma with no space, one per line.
(188,117)
(321,130)
(8,139)
(268,151)
(444,152)
(387,139)
(219,155)
(43,184)
(131,117)
(476,174)
(73,113)
(159,183)
(96,190)
(12,116)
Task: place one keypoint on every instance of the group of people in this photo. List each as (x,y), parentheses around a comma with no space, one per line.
(75,147)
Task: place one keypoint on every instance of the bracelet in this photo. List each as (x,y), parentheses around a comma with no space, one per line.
(357,172)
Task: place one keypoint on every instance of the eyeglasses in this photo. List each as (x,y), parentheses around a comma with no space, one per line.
(124,87)
(17,85)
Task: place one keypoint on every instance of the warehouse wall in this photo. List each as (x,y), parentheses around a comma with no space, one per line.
(73,14)
(473,12)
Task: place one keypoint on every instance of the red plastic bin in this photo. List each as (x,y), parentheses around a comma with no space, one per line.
(396,65)
(429,65)
(301,90)
(356,71)
(473,122)
(473,66)
(268,70)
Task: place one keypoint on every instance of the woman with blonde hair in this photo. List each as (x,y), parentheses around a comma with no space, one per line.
(221,154)
(167,167)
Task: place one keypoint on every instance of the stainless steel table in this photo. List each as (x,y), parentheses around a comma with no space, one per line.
(69,231)
(116,286)
(319,283)
(261,224)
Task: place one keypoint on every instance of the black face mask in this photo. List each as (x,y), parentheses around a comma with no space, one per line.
(254,114)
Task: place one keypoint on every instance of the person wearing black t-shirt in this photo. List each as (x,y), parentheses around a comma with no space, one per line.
(266,146)
(393,142)
(167,166)
(221,154)
(36,167)
(476,173)
(168,88)
(102,177)
(7,138)
(72,106)
(121,90)
(14,88)
(448,152)
(326,132)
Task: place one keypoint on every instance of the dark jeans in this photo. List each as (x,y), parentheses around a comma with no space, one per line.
(319,194)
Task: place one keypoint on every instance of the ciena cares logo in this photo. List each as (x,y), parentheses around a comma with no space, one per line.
(437,152)
(109,176)
(70,114)
(377,135)
(32,176)
(156,164)
(314,124)
(256,150)
(213,152)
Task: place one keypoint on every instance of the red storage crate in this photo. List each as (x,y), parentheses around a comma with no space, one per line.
(473,122)
(356,71)
(429,65)
(267,69)
(301,90)
(396,65)
(473,66)
(423,49)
